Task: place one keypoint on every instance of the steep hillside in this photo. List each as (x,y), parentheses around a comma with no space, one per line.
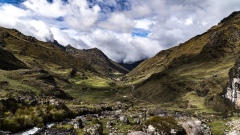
(41,82)
(200,64)
(9,62)
(37,54)
(97,59)
(220,39)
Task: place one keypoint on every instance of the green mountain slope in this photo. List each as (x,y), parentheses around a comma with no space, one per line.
(41,82)
(199,66)
(37,54)
(97,59)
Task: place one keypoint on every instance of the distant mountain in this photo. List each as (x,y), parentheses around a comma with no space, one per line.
(37,54)
(131,66)
(201,64)
(97,59)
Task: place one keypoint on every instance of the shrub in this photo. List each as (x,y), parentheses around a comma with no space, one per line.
(164,124)
(10,124)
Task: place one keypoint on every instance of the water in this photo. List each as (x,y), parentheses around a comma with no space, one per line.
(49,125)
(30,131)
(34,130)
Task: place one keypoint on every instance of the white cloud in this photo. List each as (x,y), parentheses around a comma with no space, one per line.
(168,23)
(144,23)
(140,11)
(40,30)
(10,15)
(44,8)
(80,16)
(117,22)
(123,47)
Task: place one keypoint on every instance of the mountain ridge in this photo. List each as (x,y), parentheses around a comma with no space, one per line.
(27,46)
(97,59)
(203,60)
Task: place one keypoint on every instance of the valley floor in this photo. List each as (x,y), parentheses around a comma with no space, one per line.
(100,106)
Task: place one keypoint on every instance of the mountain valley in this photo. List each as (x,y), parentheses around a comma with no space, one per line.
(192,88)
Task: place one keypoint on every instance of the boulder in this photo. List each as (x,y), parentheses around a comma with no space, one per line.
(93,130)
(137,133)
(136,121)
(124,119)
(77,123)
(151,130)
(118,112)
(192,127)
(235,132)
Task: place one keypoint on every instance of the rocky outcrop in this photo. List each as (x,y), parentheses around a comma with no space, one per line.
(232,91)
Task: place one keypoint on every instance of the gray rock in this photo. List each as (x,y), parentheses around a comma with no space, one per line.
(93,130)
(136,121)
(192,127)
(116,134)
(235,132)
(206,129)
(137,133)
(55,131)
(124,119)
(77,123)
(118,112)
(151,130)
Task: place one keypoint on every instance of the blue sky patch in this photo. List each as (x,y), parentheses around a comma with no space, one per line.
(60,19)
(15,2)
(140,32)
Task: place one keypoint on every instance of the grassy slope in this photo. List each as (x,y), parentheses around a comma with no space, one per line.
(176,73)
(43,55)
(97,59)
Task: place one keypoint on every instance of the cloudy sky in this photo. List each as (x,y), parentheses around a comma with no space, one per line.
(125,30)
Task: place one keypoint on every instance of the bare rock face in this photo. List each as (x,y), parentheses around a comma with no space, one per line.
(232,91)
